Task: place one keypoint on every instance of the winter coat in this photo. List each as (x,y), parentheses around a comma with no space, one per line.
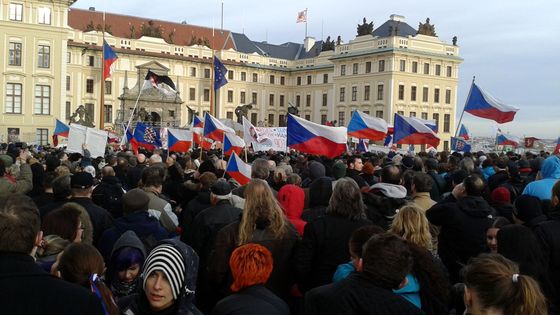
(355,175)
(499,178)
(134,175)
(22,184)
(252,300)
(101,219)
(550,173)
(108,195)
(291,198)
(463,226)
(382,201)
(161,209)
(320,193)
(439,185)
(548,234)
(127,239)
(194,207)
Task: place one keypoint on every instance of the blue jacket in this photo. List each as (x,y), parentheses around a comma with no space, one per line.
(550,173)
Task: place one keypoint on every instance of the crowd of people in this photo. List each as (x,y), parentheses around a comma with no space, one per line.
(171,233)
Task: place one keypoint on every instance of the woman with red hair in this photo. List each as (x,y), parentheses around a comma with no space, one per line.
(251,265)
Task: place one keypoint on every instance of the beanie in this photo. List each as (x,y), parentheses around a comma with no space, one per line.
(167,259)
(338,170)
(501,195)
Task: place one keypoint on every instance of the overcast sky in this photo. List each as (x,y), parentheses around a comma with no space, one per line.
(511,46)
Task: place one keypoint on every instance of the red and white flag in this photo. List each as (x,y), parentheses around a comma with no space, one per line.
(302,16)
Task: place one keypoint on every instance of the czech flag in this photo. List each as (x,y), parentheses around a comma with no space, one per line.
(197,129)
(362,146)
(109,57)
(233,143)
(482,104)
(364,126)
(464,132)
(238,170)
(60,129)
(207,144)
(179,140)
(505,139)
(430,123)
(312,138)
(557,149)
(411,130)
(214,129)
(147,136)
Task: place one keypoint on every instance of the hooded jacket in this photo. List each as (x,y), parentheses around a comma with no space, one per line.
(138,304)
(320,193)
(128,239)
(550,173)
(382,201)
(316,170)
(291,198)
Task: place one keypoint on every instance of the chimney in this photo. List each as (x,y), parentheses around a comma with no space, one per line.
(397,18)
(92,9)
(308,43)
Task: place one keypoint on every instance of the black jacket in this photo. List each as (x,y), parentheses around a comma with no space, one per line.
(25,289)
(548,233)
(355,175)
(252,300)
(382,201)
(356,295)
(108,195)
(134,175)
(324,246)
(101,219)
(193,208)
(439,185)
(463,225)
(320,192)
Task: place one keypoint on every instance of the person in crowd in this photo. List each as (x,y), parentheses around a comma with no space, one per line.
(134,174)
(385,263)
(527,210)
(200,202)
(24,287)
(501,176)
(108,194)
(251,266)
(124,265)
(493,285)
(152,183)
(500,200)
(368,174)
(354,166)
(168,282)
(315,169)
(463,217)
(137,219)
(262,222)
(411,224)
(438,182)
(291,198)
(51,246)
(492,233)
(21,184)
(549,175)
(421,186)
(320,192)
(259,170)
(325,240)
(294,179)
(64,222)
(385,197)
(47,195)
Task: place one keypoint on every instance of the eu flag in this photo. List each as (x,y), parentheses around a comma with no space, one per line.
(219,74)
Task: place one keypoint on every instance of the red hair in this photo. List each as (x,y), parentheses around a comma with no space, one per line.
(250,264)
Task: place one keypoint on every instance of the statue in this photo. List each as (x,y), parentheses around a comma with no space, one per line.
(328,44)
(143,115)
(426,28)
(81,117)
(242,111)
(338,40)
(365,28)
(454,40)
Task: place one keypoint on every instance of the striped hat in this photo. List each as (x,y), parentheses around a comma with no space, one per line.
(167,259)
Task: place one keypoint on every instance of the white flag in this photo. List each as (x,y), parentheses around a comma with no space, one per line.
(302,16)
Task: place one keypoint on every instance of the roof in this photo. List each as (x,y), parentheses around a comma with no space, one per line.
(403,29)
(120,26)
(288,51)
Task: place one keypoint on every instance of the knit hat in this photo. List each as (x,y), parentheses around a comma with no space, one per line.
(501,195)
(81,180)
(407,162)
(338,170)
(167,259)
(527,208)
(135,200)
(221,189)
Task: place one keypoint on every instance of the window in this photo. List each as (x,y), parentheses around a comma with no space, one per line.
(193,72)
(68,57)
(42,136)
(271,119)
(424,116)
(435,117)
(108,87)
(436,95)
(449,71)
(366,93)
(281,121)
(298,81)
(255,77)
(402,65)
(171,113)
(446,122)
(425,94)
(281,100)
(13,98)
(44,15)
(271,79)
(379,113)
(325,78)
(325,99)
(307,117)
(342,70)
(342,92)
(414,67)
(44,56)
(254,96)
(445,145)
(426,68)
(298,100)
(308,100)
(308,80)
(323,119)
(230,74)
(368,67)
(68,110)
(412,114)
(89,86)
(14,55)
(447,96)
(355,68)
(401,92)
(229,115)
(207,73)
(341,118)
(438,69)
(243,76)
(271,100)
(282,80)
(108,113)
(90,110)
(354,93)
(16,11)
(254,118)
(67,83)
(42,100)
(381,65)
(242,97)
(400,112)
(380,92)
(230,96)
(91,61)
(413,93)
(206,96)
(192,94)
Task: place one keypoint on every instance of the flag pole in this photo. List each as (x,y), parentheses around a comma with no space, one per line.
(463,112)
(131,114)
(102,87)
(306,22)
(246,152)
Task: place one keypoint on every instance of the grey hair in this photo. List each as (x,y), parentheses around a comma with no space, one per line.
(467,164)
(260,169)
(346,200)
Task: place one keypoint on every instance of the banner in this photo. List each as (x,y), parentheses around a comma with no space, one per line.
(271,139)
(95,139)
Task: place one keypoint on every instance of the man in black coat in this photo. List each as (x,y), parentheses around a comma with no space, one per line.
(135,174)
(108,194)
(383,267)
(464,216)
(354,169)
(24,287)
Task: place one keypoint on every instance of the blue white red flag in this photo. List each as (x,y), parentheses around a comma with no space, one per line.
(60,129)
(362,146)
(179,140)
(430,123)
(215,129)
(238,170)
(312,138)
(506,139)
(233,143)
(147,136)
(197,129)
(220,72)
(364,126)
(482,104)
(411,130)
(464,132)
(109,57)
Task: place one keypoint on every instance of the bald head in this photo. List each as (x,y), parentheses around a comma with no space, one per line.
(141,158)
(107,171)
(474,185)
(391,174)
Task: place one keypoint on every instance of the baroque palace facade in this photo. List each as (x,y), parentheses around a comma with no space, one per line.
(52,66)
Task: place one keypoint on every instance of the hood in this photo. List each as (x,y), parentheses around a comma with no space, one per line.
(128,239)
(292,199)
(141,222)
(320,192)
(475,207)
(551,167)
(316,170)
(390,190)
